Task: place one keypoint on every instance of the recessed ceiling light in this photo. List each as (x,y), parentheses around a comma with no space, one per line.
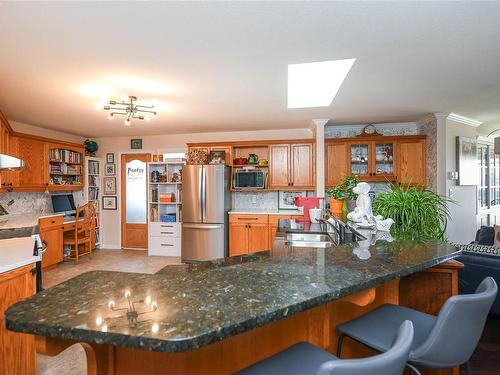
(316,84)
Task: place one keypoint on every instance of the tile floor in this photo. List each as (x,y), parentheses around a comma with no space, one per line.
(107,260)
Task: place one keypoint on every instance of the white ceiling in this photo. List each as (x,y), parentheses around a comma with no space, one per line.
(223,66)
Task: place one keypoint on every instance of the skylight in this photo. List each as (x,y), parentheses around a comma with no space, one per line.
(316,84)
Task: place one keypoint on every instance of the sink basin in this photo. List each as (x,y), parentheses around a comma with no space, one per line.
(308,240)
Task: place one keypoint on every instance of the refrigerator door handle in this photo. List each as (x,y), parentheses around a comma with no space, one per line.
(201,190)
(203,226)
(203,193)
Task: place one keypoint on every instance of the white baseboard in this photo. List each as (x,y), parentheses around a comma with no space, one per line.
(111,246)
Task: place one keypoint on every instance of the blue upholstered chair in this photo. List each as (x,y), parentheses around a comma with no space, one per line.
(307,359)
(445,341)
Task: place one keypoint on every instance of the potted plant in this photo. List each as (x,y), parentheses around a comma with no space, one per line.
(336,197)
(349,183)
(417,212)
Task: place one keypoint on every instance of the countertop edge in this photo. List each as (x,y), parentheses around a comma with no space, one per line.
(197,342)
(19,264)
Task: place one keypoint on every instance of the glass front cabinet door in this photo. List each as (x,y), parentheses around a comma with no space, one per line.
(384,159)
(372,160)
(360,159)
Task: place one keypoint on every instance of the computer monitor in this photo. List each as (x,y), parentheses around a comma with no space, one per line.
(63,203)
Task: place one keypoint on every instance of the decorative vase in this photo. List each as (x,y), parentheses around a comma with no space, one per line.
(335,205)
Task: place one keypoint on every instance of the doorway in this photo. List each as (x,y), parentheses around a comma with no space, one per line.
(134,201)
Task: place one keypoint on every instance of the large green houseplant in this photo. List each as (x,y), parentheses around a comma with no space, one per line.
(417,212)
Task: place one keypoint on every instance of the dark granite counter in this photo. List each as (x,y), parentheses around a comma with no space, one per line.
(185,307)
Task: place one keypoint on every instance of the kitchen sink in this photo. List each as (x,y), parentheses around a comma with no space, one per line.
(308,240)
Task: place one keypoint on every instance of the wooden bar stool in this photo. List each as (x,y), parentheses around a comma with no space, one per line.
(79,239)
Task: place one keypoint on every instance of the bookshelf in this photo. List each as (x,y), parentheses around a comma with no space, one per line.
(65,169)
(164,208)
(93,186)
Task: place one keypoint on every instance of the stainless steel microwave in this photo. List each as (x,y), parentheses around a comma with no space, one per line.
(249,179)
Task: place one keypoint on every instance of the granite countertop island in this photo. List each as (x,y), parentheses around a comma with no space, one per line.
(191,306)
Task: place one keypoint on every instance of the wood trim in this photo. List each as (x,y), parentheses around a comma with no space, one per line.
(385,138)
(251,143)
(6,122)
(55,143)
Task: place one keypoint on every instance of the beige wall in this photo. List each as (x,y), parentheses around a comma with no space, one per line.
(111,229)
(463,223)
(42,132)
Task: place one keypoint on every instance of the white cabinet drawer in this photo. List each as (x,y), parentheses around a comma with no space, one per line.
(165,229)
(165,246)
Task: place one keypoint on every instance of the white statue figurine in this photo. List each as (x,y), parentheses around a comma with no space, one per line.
(363,211)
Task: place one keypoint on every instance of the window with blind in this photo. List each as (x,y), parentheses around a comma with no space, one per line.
(488,190)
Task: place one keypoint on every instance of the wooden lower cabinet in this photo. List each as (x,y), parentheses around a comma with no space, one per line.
(51,231)
(253,233)
(258,238)
(248,234)
(238,239)
(17,350)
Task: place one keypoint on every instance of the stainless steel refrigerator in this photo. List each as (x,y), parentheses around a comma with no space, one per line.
(206,200)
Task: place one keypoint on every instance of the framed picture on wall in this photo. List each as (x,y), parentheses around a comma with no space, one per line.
(136,144)
(109,185)
(467,161)
(286,199)
(109,203)
(110,170)
(110,158)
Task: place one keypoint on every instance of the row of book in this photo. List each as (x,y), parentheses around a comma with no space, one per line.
(65,169)
(93,194)
(67,156)
(93,180)
(93,167)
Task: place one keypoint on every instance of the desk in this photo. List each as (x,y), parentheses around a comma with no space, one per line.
(52,229)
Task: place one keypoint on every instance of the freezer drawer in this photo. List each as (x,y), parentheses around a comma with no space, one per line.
(203,241)
(165,229)
(165,246)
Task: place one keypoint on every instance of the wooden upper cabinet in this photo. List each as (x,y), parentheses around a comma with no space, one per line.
(35,155)
(292,166)
(279,166)
(412,162)
(302,165)
(336,166)
(376,159)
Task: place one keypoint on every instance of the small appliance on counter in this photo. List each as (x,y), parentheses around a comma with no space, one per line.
(307,203)
(249,179)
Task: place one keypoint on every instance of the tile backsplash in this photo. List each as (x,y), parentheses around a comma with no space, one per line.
(26,202)
(266,200)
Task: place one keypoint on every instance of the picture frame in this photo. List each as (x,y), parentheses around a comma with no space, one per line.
(217,157)
(110,170)
(466,161)
(110,158)
(109,202)
(136,144)
(109,185)
(286,199)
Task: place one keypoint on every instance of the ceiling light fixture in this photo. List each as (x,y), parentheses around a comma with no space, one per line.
(129,108)
(316,84)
